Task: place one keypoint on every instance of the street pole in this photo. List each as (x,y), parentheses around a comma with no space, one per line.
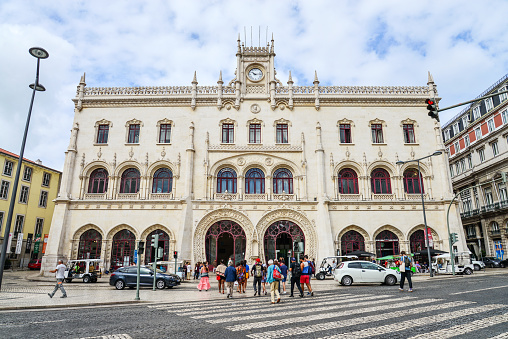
(425,220)
(155,266)
(137,277)
(38,53)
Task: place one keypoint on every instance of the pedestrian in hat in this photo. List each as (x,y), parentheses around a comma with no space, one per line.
(257,274)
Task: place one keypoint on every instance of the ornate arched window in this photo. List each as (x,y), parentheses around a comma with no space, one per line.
(352,241)
(348,181)
(282,181)
(90,244)
(98,182)
(122,253)
(254,181)
(163,243)
(226,181)
(387,243)
(130,181)
(411,182)
(380,181)
(162,181)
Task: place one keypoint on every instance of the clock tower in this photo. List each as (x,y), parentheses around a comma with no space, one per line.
(255,71)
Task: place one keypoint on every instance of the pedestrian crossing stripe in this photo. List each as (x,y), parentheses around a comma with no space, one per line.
(408,324)
(397,303)
(466,328)
(339,304)
(501,336)
(283,332)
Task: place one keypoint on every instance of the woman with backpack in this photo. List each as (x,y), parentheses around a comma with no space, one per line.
(204,282)
(257,274)
(296,272)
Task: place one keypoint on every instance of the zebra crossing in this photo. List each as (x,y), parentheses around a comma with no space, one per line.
(347,316)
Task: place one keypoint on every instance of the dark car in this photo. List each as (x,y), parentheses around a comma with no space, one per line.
(491,262)
(127,276)
(35,264)
(503,263)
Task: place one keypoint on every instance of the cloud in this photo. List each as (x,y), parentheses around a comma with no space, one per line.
(160,43)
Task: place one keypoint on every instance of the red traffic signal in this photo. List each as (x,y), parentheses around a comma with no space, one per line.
(432,108)
(175,254)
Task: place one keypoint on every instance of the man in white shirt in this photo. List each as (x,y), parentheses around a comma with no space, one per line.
(189,270)
(60,270)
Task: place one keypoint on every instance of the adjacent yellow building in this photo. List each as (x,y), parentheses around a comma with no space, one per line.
(38,187)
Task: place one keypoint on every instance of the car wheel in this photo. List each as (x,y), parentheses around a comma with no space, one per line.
(160,284)
(468,271)
(477,267)
(390,280)
(320,276)
(346,280)
(501,265)
(491,265)
(119,285)
(86,279)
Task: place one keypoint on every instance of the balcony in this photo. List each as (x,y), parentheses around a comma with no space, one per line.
(416,196)
(226,196)
(350,197)
(284,197)
(161,196)
(466,214)
(495,233)
(503,204)
(383,196)
(471,236)
(255,196)
(95,196)
(127,196)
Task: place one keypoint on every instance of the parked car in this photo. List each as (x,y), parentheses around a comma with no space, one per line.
(359,271)
(127,276)
(491,262)
(503,263)
(478,265)
(177,278)
(35,264)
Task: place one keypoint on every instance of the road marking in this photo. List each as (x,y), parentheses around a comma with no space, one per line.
(409,324)
(501,336)
(230,317)
(465,328)
(483,289)
(110,336)
(32,323)
(284,332)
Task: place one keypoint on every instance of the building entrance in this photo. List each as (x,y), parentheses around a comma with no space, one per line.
(225,239)
(387,243)
(281,237)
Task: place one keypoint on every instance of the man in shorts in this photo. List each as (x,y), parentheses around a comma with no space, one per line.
(305,277)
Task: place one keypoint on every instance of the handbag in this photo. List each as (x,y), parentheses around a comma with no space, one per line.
(204,275)
(276,274)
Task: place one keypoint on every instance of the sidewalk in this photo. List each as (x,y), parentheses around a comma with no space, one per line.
(26,290)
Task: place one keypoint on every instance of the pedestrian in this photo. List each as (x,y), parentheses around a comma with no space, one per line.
(284,271)
(271,279)
(204,282)
(221,278)
(240,275)
(230,276)
(306,272)
(196,270)
(263,280)
(184,271)
(189,271)
(60,270)
(296,272)
(257,274)
(247,274)
(405,271)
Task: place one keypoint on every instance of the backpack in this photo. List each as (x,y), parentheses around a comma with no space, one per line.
(258,271)
(276,274)
(407,262)
(297,270)
(313,269)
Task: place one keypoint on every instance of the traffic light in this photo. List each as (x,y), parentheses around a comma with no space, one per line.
(141,247)
(454,237)
(432,108)
(155,240)
(175,254)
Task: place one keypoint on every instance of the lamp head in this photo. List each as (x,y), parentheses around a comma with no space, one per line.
(437,153)
(400,163)
(38,87)
(38,52)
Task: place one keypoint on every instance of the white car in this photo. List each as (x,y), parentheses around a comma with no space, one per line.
(364,272)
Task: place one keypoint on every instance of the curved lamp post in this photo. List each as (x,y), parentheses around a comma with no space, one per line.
(423,202)
(39,53)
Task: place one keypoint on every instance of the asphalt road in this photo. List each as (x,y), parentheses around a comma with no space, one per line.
(465,307)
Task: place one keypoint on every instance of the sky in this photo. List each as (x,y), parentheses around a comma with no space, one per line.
(464,44)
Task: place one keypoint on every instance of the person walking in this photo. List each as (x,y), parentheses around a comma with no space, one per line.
(230,276)
(274,283)
(306,272)
(296,272)
(221,278)
(60,270)
(189,271)
(196,270)
(240,274)
(204,282)
(405,271)
(247,274)
(257,274)
(284,271)
(263,280)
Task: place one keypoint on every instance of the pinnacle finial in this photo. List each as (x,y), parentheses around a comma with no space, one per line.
(238,39)
(315,77)
(82,81)
(195,80)
(220,78)
(272,37)
(290,78)
(431,79)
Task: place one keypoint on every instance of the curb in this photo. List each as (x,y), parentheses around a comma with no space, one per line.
(14,308)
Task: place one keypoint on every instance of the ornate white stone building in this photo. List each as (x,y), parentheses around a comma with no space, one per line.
(250,168)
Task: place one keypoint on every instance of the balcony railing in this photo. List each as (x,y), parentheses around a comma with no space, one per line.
(161,196)
(255,196)
(95,196)
(416,196)
(284,197)
(226,196)
(495,233)
(350,197)
(383,196)
(128,196)
(471,236)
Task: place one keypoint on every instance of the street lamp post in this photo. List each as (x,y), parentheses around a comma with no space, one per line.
(423,203)
(39,53)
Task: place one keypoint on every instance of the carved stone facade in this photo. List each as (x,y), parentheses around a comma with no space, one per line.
(257,165)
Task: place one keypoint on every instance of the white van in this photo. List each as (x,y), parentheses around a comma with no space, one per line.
(442,264)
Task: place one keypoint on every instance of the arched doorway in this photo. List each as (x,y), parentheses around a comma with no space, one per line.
(90,245)
(163,243)
(387,243)
(351,241)
(122,249)
(417,241)
(280,238)
(225,239)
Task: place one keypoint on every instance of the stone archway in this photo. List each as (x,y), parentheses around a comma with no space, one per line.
(222,214)
(79,233)
(296,217)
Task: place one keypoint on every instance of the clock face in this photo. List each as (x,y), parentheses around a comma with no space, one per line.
(255,74)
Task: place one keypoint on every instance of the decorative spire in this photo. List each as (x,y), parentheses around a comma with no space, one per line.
(290,80)
(194,80)
(239,45)
(431,79)
(315,78)
(220,78)
(82,81)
